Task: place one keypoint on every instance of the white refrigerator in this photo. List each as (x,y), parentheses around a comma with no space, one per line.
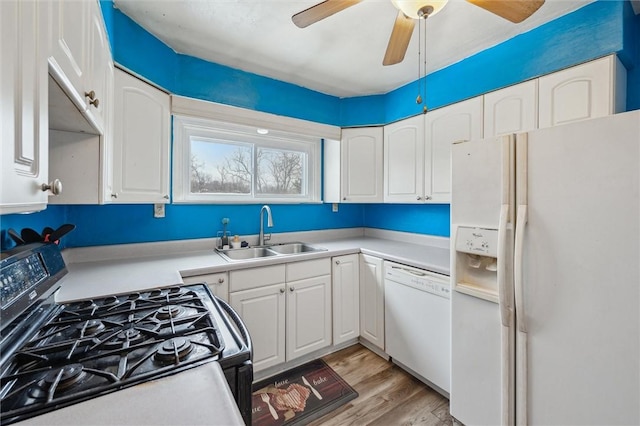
(545,268)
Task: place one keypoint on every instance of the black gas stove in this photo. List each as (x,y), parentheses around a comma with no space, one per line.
(54,355)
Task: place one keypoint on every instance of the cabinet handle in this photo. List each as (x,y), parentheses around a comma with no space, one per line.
(55,187)
(418,198)
(114,195)
(91,95)
(220,280)
(428,197)
(344,198)
(282,290)
(337,262)
(166,197)
(95,102)
(291,288)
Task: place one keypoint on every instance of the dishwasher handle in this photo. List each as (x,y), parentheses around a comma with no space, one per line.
(410,271)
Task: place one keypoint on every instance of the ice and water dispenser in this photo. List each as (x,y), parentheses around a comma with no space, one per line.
(477,262)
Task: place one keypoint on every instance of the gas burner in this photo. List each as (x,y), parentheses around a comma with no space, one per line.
(84,304)
(133,296)
(174,350)
(169,311)
(90,327)
(65,377)
(125,338)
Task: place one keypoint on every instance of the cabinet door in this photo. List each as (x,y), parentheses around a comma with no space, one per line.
(513,109)
(372,300)
(444,126)
(263,312)
(218,283)
(24,112)
(346,298)
(361,165)
(98,74)
(141,142)
(404,161)
(70,46)
(308,315)
(594,89)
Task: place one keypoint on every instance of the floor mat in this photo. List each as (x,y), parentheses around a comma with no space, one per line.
(301,394)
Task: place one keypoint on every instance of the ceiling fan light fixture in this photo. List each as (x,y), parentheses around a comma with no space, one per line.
(420,8)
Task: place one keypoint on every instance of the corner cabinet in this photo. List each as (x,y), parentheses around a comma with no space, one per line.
(24,112)
(345,275)
(590,90)
(443,127)
(372,300)
(141,143)
(361,165)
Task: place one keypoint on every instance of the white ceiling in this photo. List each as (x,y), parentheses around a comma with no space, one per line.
(340,55)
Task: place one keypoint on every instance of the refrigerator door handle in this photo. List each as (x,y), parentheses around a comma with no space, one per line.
(521,222)
(505,305)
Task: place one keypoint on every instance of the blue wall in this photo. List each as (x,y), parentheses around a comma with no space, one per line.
(600,28)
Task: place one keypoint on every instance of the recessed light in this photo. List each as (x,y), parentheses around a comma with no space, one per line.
(262,131)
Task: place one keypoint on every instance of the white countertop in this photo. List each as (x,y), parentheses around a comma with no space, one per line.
(164,401)
(100,278)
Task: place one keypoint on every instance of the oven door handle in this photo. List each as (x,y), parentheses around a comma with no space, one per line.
(238,323)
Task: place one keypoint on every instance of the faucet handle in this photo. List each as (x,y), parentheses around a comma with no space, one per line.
(267,237)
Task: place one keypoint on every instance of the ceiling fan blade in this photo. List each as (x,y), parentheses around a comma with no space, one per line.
(512,10)
(399,40)
(320,11)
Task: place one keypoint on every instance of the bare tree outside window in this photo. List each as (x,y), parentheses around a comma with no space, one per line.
(225,168)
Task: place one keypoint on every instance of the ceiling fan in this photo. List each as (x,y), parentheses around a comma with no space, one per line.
(410,10)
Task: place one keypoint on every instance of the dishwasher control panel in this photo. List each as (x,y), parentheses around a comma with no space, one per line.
(429,282)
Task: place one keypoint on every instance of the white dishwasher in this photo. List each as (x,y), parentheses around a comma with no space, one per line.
(417,322)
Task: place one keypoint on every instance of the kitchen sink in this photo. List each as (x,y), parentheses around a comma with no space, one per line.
(294,248)
(249,253)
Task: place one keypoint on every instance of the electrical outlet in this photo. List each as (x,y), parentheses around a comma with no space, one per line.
(334,207)
(158,210)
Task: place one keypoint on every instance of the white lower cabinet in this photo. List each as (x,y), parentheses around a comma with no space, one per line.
(218,283)
(372,300)
(286,308)
(345,276)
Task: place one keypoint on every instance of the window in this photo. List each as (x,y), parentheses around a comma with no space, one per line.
(221,162)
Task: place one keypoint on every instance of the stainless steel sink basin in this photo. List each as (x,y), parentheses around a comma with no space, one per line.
(295,248)
(247,253)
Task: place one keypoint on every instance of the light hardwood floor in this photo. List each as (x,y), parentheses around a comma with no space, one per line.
(387,394)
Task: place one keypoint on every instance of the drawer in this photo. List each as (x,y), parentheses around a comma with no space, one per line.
(308,269)
(218,283)
(256,277)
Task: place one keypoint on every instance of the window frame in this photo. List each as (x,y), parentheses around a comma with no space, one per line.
(185,127)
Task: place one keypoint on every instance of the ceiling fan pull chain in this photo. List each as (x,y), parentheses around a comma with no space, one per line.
(419,98)
(424,107)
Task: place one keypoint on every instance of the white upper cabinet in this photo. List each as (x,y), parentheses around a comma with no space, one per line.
(79,53)
(444,126)
(361,165)
(404,161)
(23,114)
(513,109)
(141,142)
(594,89)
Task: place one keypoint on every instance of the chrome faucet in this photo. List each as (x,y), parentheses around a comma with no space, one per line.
(262,238)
